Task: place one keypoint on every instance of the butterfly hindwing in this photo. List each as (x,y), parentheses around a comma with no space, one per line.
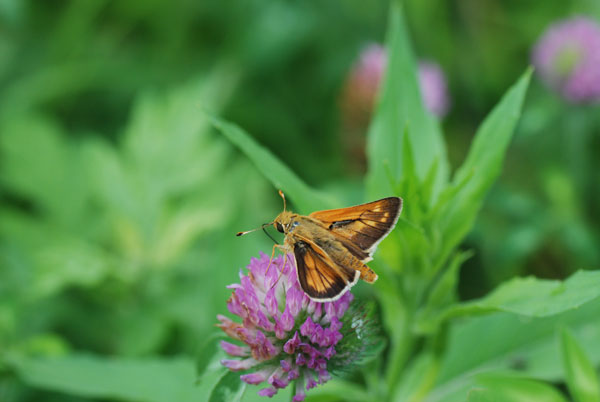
(320,278)
(362,226)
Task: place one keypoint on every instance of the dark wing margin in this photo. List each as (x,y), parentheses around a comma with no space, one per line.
(363,226)
(318,279)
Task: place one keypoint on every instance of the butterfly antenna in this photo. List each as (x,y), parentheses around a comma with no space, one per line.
(254,230)
(282,196)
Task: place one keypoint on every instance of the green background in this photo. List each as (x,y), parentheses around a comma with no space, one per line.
(121,192)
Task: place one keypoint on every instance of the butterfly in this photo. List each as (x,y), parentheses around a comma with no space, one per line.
(332,247)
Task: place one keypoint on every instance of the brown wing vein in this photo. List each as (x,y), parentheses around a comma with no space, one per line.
(363,225)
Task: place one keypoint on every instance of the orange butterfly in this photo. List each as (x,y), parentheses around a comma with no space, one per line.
(331,247)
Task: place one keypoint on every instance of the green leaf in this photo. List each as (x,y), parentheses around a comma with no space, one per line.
(419,377)
(409,186)
(481,167)
(213,374)
(441,293)
(281,176)
(581,376)
(333,390)
(508,341)
(498,387)
(155,204)
(164,125)
(229,388)
(218,383)
(112,183)
(41,166)
(534,297)
(65,261)
(139,331)
(144,380)
(183,225)
(480,395)
(401,108)
(56,259)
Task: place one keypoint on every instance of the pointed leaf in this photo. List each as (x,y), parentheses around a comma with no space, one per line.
(281,176)
(482,167)
(400,106)
(419,377)
(333,390)
(508,341)
(441,294)
(480,395)
(40,165)
(229,388)
(536,297)
(166,124)
(582,379)
(498,387)
(144,380)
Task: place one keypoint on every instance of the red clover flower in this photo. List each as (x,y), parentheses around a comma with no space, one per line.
(567,57)
(286,336)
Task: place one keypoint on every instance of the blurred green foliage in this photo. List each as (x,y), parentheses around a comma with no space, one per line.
(119,199)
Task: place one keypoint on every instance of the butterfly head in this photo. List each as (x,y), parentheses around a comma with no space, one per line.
(285,222)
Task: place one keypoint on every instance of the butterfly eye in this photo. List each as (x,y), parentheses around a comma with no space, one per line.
(279,227)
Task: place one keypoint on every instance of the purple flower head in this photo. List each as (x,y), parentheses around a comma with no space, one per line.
(366,75)
(567,57)
(286,336)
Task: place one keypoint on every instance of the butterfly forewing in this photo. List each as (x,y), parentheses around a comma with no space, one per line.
(362,226)
(320,278)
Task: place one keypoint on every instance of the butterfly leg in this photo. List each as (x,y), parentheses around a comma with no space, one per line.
(285,250)
(281,271)
(276,246)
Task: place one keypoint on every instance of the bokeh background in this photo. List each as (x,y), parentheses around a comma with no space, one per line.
(119,202)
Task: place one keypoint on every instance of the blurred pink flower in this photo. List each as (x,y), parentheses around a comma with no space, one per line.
(567,57)
(433,88)
(360,90)
(366,75)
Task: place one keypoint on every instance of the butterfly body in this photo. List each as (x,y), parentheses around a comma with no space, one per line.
(332,247)
(312,244)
